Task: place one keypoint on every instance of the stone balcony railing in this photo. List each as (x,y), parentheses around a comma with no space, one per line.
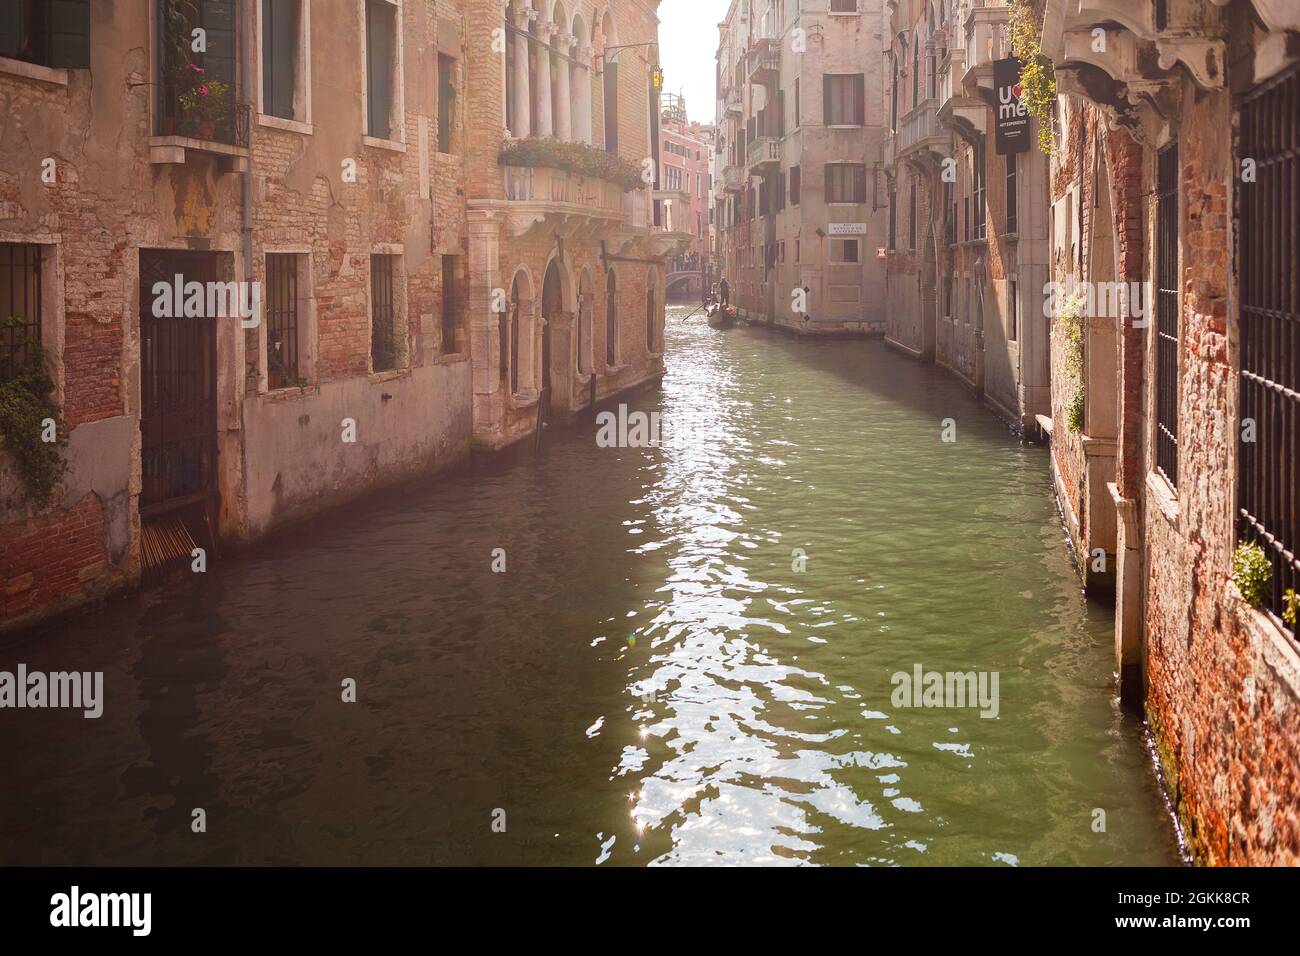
(920,131)
(763,151)
(540,196)
(733,179)
(985,40)
(763,60)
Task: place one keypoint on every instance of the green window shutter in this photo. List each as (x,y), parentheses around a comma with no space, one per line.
(279,49)
(70,34)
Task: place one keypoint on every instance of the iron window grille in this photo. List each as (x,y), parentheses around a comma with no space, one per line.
(1268,212)
(281,320)
(1166,359)
(383,344)
(20,307)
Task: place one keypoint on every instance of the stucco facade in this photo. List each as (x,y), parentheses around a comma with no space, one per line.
(801,122)
(348,176)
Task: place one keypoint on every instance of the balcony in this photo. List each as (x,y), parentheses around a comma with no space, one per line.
(964,115)
(985,32)
(920,132)
(198,103)
(763,62)
(733,179)
(542,198)
(763,151)
(732,103)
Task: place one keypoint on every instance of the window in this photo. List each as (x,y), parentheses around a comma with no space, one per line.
(892,222)
(611,107)
(979,208)
(281,48)
(611,320)
(381,72)
(893,108)
(915,72)
(846,182)
(950,215)
(222,118)
(451,302)
(383,315)
(446,101)
(911,218)
(282,365)
(796,102)
(843,99)
(794,185)
(1166,362)
(46,32)
(844,250)
(20,306)
(1013,310)
(844,6)
(1012,221)
(1269,210)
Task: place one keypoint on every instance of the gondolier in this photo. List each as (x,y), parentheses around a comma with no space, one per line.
(724,292)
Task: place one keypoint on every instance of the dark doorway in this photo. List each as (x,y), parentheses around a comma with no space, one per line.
(178,391)
(552,303)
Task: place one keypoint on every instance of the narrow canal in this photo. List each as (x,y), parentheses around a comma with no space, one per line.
(687,660)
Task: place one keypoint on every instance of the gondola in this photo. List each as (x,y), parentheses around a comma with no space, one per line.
(720,316)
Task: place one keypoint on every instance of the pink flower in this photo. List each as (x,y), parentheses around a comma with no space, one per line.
(204,89)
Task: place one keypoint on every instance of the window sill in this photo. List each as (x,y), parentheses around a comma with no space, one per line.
(387,375)
(1164,496)
(34,71)
(287,393)
(288,125)
(171,150)
(389,144)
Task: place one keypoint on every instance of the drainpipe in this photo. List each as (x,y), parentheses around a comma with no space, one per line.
(246,186)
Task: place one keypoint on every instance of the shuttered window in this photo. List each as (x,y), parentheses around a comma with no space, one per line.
(843,99)
(54,33)
(381,55)
(280,34)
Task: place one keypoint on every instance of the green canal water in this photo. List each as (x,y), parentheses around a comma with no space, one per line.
(688,658)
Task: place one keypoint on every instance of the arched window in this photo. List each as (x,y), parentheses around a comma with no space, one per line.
(516,306)
(611,320)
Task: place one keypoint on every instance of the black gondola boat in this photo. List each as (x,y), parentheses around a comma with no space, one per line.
(720,316)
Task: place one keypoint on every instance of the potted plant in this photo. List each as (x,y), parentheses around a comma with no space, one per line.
(203,102)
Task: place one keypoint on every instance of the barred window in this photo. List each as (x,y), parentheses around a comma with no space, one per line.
(1166,370)
(282,320)
(451,302)
(1268,479)
(383,317)
(20,306)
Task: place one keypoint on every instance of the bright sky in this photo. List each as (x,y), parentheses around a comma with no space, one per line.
(688,40)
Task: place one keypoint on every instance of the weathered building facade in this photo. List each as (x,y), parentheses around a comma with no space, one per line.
(1175,434)
(376,290)
(686,152)
(968,227)
(801,123)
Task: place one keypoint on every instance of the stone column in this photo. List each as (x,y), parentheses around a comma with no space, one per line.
(545,30)
(563,117)
(520,125)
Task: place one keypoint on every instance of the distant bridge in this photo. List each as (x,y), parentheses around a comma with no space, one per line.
(683,277)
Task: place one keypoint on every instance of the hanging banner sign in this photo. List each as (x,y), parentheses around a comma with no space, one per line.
(1011,118)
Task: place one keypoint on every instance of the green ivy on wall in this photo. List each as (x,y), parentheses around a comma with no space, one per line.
(1037,75)
(28,416)
(573,157)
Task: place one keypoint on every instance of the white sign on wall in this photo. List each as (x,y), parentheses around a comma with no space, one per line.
(847,228)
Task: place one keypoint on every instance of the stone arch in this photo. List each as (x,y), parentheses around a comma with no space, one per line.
(515,327)
(556,334)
